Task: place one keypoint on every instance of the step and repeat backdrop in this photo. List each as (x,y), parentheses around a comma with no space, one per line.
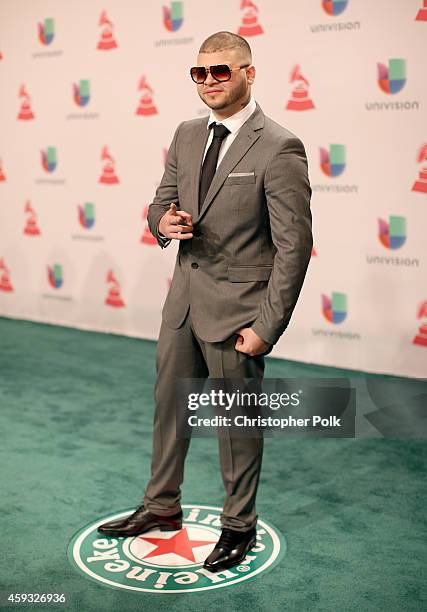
(91,93)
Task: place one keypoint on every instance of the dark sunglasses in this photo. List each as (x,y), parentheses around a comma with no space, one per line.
(220,73)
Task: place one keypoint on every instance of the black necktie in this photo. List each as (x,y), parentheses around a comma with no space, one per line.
(211,158)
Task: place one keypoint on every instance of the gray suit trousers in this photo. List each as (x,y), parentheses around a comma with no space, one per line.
(181,354)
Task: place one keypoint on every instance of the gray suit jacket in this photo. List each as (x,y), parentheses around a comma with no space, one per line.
(252,242)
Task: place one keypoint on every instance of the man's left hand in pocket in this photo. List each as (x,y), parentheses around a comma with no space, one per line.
(250,343)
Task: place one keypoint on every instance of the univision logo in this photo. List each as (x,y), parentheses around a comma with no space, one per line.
(46,31)
(81,93)
(392,235)
(334,308)
(392,78)
(334,7)
(87,215)
(332,161)
(173,16)
(48,159)
(54,274)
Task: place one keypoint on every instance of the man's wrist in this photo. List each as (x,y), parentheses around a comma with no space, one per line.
(161,238)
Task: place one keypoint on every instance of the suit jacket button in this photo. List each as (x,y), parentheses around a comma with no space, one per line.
(194,265)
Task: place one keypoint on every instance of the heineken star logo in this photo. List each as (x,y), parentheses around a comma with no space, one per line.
(178,544)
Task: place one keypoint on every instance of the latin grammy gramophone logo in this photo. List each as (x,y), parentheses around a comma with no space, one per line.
(108,175)
(5,282)
(421,336)
(249,25)
(31,226)
(420,184)
(46,31)
(422,13)
(300,99)
(107,40)
(2,174)
(170,562)
(146,106)
(147,237)
(25,111)
(114,297)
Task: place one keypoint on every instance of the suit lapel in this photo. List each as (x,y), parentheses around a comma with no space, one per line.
(247,136)
(196,158)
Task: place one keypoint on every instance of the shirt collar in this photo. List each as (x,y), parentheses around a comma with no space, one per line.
(235,122)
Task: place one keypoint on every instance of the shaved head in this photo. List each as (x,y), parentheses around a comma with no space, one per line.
(221,41)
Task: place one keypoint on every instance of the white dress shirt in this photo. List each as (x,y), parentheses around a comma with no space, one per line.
(233,124)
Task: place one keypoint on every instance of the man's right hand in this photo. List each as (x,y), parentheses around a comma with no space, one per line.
(176,224)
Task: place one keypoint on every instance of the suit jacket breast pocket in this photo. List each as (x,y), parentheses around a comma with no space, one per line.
(240,178)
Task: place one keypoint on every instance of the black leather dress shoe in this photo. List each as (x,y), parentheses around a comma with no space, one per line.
(139,522)
(230,550)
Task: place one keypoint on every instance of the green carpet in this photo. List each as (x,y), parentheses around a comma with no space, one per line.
(76,416)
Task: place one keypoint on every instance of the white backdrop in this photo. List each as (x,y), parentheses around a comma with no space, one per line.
(91,93)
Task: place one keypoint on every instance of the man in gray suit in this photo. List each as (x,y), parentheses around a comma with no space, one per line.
(236,194)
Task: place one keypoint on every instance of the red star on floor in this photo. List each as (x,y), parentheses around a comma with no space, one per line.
(179,544)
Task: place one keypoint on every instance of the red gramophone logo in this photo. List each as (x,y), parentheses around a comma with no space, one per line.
(249,25)
(106,41)
(313,252)
(2,174)
(146,105)
(5,284)
(25,112)
(114,292)
(300,99)
(31,227)
(421,337)
(147,237)
(1,55)
(420,185)
(108,176)
(422,13)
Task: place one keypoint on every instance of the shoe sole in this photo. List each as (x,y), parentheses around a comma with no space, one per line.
(225,566)
(117,534)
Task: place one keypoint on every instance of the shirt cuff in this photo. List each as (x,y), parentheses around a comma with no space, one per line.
(162,240)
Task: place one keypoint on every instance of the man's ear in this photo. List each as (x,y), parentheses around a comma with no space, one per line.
(251,74)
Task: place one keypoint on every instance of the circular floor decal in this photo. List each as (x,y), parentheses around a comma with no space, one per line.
(170,561)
